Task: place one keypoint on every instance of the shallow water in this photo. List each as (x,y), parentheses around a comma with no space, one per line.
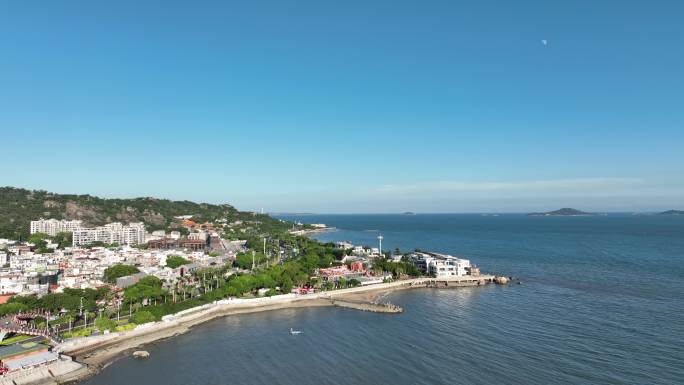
(601,303)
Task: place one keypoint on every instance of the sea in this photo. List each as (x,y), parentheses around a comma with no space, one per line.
(601,301)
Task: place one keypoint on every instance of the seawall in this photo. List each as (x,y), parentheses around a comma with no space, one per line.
(96,351)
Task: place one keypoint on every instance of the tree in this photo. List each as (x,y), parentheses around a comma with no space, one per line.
(174,261)
(286,285)
(143,317)
(149,287)
(118,271)
(342,282)
(326,260)
(12,308)
(39,240)
(104,323)
(244,261)
(63,240)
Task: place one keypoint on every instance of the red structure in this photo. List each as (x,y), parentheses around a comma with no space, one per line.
(170,243)
(357,266)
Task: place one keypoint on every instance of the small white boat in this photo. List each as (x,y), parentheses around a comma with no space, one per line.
(292,331)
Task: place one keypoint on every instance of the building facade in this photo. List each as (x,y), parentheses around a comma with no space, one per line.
(52,227)
(440,265)
(131,234)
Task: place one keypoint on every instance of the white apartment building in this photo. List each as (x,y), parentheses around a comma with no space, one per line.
(12,284)
(448,266)
(53,226)
(440,265)
(131,234)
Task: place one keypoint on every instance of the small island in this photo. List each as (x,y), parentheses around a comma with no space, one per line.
(566,212)
(672,212)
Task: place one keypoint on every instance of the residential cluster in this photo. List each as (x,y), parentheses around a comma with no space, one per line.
(118,233)
(358,263)
(25,270)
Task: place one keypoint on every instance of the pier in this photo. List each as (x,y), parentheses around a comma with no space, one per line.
(461,281)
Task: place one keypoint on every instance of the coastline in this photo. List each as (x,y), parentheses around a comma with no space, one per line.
(96,352)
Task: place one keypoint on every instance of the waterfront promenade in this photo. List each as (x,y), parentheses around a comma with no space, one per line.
(97,351)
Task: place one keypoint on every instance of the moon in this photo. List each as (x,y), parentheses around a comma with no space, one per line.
(544,42)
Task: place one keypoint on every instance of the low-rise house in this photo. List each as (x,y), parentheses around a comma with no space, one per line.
(12,283)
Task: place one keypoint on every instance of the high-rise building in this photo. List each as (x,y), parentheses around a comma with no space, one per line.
(53,226)
(131,234)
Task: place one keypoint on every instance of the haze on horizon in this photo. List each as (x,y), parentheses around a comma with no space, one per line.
(373,106)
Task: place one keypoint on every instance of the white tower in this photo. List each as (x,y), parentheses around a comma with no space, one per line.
(380,238)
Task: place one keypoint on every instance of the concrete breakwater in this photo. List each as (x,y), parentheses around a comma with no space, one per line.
(368,306)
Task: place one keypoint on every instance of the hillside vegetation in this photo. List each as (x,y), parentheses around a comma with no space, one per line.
(18,207)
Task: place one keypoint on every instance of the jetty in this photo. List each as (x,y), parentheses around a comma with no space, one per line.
(367,306)
(461,281)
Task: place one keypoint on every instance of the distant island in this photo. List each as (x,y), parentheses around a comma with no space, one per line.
(409,213)
(567,212)
(672,212)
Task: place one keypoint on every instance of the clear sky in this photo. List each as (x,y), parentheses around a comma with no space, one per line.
(348,106)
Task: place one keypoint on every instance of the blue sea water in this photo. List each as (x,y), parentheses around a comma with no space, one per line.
(601,302)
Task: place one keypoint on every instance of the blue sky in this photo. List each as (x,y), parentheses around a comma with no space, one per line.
(354,106)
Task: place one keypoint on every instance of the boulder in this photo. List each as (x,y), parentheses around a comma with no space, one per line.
(141,354)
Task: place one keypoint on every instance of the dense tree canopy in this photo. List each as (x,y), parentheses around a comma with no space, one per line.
(118,271)
(149,287)
(69,300)
(174,261)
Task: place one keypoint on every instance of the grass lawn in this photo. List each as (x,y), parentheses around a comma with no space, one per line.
(14,339)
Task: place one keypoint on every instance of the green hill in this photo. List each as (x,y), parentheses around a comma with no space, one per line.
(18,207)
(566,211)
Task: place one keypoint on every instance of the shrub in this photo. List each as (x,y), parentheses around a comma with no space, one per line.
(79,333)
(123,328)
(104,323)
(143,317)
